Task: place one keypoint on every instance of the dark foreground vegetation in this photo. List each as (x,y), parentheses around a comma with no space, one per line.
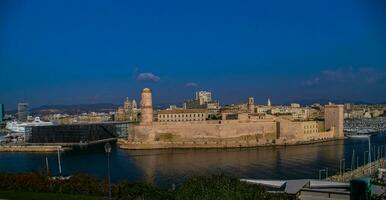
(81,186)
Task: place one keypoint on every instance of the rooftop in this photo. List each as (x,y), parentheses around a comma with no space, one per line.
(178,111)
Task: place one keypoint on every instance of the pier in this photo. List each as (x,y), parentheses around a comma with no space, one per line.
(362,171)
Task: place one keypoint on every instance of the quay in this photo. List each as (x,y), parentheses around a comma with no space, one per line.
(47,147)
(71,144)
(362,171)
(124,144)
(34,148)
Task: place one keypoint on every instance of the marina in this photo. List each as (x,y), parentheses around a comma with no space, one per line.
(365,126)
(20,127)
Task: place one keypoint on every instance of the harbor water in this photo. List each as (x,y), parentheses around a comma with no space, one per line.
(167,167)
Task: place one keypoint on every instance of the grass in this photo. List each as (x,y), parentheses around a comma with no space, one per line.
(14,195)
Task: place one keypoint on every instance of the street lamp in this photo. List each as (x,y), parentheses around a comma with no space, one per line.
(340,166)
(108,151)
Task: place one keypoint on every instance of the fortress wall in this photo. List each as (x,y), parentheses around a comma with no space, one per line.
(224,129)
(290,130)
(212,134)
(295,131)
(318,136)
(208,131)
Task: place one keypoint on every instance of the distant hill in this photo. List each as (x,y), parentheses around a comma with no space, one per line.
(78,108)
(306,102)
(71,109)
(109,107)
(74,109)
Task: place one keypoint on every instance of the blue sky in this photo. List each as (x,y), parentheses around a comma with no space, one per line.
(70,52)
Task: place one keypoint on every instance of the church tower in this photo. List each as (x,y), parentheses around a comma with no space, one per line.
(251,105)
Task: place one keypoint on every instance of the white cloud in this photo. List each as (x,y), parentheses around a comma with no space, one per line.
(349,75)
(148,77)
(312,82)
(191,84)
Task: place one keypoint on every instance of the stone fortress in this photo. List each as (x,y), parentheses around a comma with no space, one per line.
(246,125)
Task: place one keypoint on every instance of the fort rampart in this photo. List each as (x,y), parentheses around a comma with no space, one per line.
(217,134)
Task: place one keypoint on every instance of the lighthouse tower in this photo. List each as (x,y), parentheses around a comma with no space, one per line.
(146,107)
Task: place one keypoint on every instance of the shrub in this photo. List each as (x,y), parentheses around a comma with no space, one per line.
(127,191)
(30,181)
(83,184)
(201,187)
(224,188)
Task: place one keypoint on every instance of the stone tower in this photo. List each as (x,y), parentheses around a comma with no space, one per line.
(146,106)
(333,119)
(251,105)
(127,105)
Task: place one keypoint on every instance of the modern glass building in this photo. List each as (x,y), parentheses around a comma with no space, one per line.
(22,112)
(71,134)
(1,112)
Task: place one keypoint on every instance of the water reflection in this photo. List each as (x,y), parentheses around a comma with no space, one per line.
(263,162)
(165,167)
